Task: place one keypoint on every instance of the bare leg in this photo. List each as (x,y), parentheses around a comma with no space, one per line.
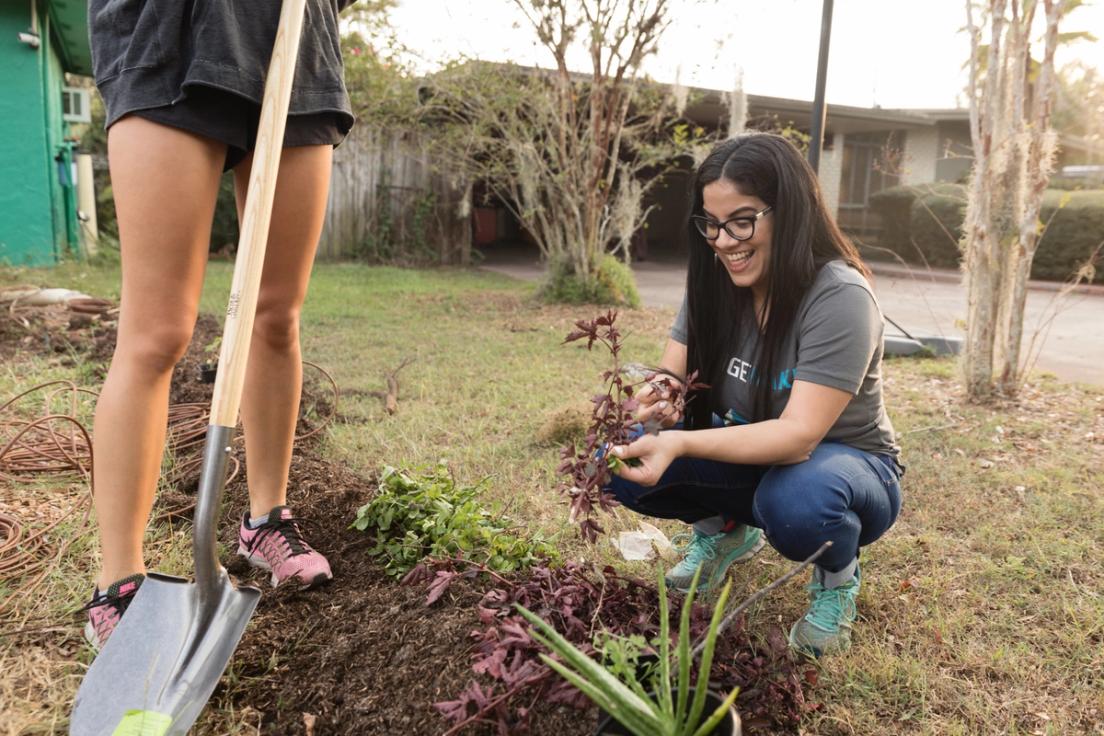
(270,403)
(165,183)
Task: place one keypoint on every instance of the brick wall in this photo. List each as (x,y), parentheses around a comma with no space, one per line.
(921,153)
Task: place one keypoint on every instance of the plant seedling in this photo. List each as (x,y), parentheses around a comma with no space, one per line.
(662,704)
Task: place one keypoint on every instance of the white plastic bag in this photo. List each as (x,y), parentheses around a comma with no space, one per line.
(642,544)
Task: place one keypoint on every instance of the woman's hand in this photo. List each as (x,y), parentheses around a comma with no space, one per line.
(655,452)
(655,402)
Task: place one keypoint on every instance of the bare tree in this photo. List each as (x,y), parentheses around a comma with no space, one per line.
(1014,146)
(565,151)
(737,107)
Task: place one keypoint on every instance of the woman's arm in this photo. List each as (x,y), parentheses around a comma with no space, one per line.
(809,414)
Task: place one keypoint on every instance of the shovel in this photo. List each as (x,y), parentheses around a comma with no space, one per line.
(162,662)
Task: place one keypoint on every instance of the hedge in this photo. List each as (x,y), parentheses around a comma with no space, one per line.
(935,223)
(923,225)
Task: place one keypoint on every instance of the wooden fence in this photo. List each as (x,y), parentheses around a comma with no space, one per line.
(389,203)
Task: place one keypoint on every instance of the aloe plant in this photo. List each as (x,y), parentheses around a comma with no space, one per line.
(668,710)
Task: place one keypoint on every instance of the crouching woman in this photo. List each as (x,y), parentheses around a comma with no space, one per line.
(791,440)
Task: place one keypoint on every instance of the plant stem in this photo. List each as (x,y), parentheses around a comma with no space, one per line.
(759,594)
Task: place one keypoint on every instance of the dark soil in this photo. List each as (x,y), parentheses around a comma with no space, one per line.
(363,655)
(54,330)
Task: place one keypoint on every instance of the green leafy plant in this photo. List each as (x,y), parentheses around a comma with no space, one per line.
(426,514)
(658,704)
(629,656)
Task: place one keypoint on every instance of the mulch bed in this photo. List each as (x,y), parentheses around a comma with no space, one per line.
(363,655)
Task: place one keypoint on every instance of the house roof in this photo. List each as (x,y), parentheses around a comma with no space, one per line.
(943,114)
(708,106)
(69,19)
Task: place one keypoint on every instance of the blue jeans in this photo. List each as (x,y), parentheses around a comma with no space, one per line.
(848,496)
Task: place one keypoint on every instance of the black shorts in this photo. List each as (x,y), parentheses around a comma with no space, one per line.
(232,119)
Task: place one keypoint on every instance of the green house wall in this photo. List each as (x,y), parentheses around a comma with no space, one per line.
(37,209)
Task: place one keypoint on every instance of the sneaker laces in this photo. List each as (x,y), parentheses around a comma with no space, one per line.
(286,528)
(116,602)
(830,606)
(696,547)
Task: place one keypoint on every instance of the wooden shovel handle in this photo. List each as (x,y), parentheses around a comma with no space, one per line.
(249,262)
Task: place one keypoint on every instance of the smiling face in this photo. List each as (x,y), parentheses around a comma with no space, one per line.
(747,261)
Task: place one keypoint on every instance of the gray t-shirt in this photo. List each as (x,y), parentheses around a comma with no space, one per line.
(836,341)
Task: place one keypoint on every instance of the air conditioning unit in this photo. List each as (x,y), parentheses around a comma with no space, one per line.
(75,105)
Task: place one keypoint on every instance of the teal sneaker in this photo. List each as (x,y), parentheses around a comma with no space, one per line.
(826,626)
(713,554)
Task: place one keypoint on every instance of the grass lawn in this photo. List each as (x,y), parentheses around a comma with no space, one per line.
(982,610)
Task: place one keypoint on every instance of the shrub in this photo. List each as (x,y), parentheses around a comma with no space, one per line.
(1075,184)
(892,206)
(1074,227)
(613,283)
(662,704)
(1074,234)
(612,422)
(935,225)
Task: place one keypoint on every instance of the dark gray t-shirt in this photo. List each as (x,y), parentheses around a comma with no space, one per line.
(836,342)
(145,53)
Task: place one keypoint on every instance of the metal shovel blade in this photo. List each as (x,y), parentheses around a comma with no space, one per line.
(156,672)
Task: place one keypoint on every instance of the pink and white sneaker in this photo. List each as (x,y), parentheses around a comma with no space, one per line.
(105,610)
(277,545)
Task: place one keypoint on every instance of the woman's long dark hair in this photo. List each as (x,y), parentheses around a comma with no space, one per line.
(804,237)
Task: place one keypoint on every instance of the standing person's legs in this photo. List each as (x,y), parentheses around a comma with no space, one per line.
(840,494)
(270,402)
(165,183)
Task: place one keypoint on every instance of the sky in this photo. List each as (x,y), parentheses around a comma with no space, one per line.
(887,53)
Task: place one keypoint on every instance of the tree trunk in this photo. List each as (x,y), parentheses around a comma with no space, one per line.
(1014,150)
(1040,143)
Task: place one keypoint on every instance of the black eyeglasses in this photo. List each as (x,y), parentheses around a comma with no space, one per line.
(738,228)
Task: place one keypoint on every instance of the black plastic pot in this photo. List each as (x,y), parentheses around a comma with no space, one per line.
(208,371)
(730,726)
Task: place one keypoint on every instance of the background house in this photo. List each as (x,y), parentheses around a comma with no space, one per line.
(865,151)
(40,40)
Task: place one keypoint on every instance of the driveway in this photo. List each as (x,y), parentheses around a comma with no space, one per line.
(1068,332)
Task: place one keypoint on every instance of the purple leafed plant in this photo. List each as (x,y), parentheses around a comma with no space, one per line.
(587,469)
(581,600)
